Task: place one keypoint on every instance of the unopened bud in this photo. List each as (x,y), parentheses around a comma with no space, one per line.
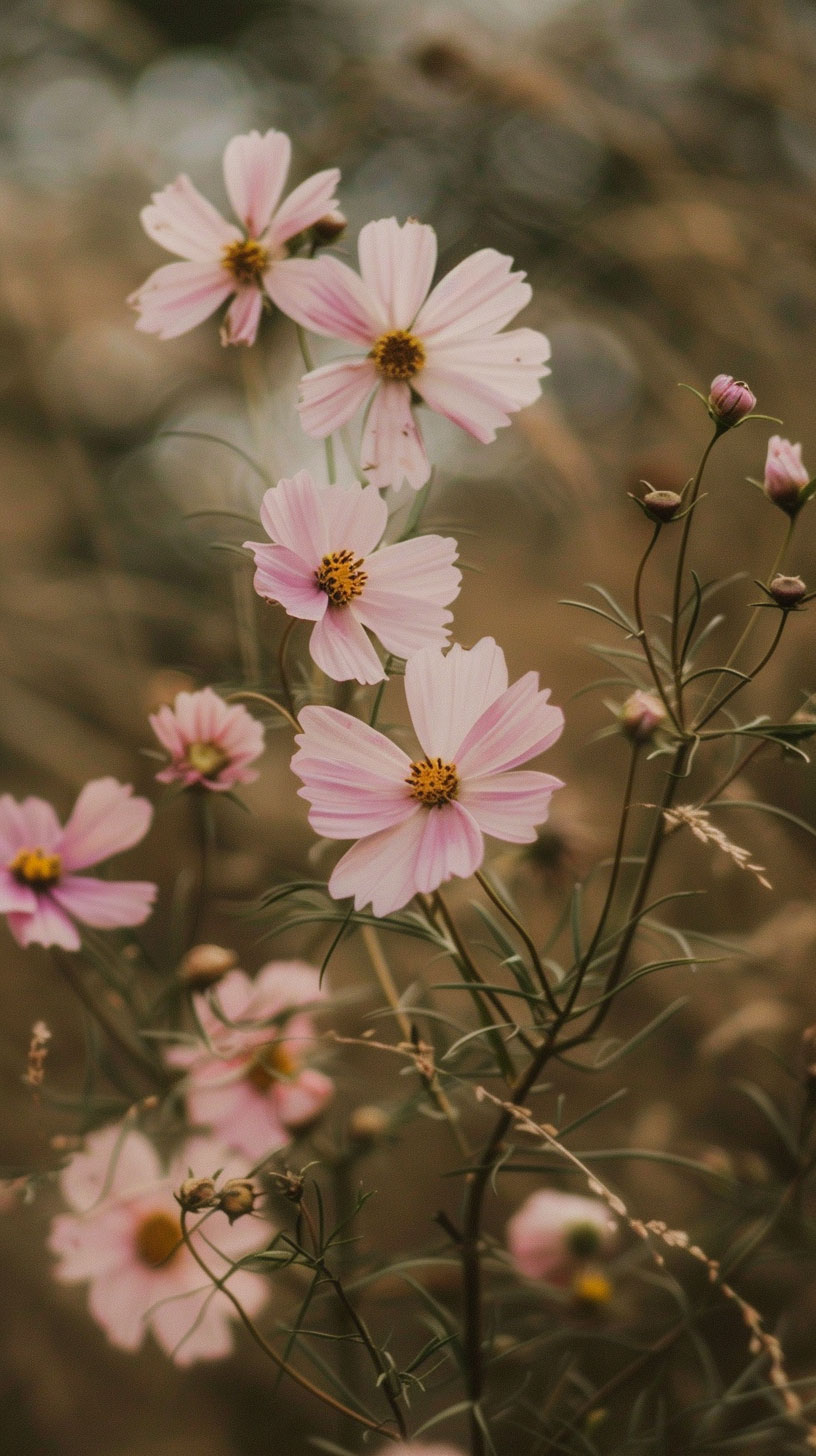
(787,591)
(785,475)
(730,400)
(641,716)
(366,1124)
(290,1185)
(662,505)
(237,1197)
(329,228)
(195,1194)
(204,965)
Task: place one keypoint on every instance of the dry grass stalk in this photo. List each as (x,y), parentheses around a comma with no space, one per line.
(700,824)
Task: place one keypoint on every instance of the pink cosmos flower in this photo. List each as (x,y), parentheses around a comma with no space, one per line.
(417,823)
(40,890)
(786,475)
(553,1232)
(123,1235)
(210,742)
(220,260)
(444,346)
(250,1084)
(323,567)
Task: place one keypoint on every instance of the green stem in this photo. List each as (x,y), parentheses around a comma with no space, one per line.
(642,634)
(100,1014)
(679,572)
(504,909)
(749,677)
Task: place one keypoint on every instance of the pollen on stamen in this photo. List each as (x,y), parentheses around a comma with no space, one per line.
(398,355)
(157,1239)
(341,577)
(433,781)
(246,260)
(271,1063)
(207,758)
(35,868)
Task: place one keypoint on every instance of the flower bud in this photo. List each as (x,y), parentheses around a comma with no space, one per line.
(641,715)
(366,1124)
(195,1194)
(204,965)
(730,400)
(662,505)
(237,1197)
(787,591)
(329,228)
(785,475)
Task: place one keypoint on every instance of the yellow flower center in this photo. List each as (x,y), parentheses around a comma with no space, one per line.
(398,355)
(592,1289)
(158,1239)
(433,782)
(207,758)
(270,1063)
(35,868)
(341,577)
(246,260)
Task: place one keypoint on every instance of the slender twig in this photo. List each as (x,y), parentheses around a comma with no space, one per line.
(643,637)
(474,975)
(283,1365)
(749,676)
(270,703)
(679,571)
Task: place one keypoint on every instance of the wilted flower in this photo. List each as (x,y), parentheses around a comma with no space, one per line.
(40,891)
(641,715)
(324,566)
(444,346)
(250,1084)
(417,823)
(210,742)
(221,261)
(787,591)
(237,1198)
(785,475)
(553,1233)
(730,400)
(124,1236)
(195,1194)
(662,505)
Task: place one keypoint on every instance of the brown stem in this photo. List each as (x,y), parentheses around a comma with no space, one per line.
(283,1365)
(520,930)
(678,575)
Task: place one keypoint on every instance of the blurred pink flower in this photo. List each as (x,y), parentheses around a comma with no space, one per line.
(419,823)
(418,1448)
(444,346)
(123,1235)
(221,261)
(210,742)
(552,1232)
(250,1084)
(323,567)
(40,891)
(785,474)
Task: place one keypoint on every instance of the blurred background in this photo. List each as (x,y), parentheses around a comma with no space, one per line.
(652,165)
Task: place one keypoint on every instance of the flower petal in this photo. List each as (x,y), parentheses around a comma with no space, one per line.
(329,298)
(283,577)
(447,693)
(302,1100)
(179,296)
(292,516)
(342,650)
(382,868)
(508,365)
(397,264)
(403,623)
(46,925)
(180,219)
(514,728)
(105,904)
(353,777)
(451,845)
(109,1163)
(479,296)
(356,517)
(14,896)
(303,207)
(510,805)
(29,825)
(421,567)
(255,170)
(106,819)
(329,396)
(393,449)
(241,320)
